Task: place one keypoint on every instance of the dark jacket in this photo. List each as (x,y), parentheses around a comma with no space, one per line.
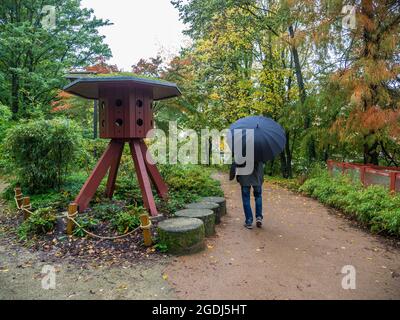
(254,179)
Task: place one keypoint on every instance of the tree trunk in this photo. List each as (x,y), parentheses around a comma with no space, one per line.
(288,158)
(14,94)
(299,74)
(371,154)
(302,92)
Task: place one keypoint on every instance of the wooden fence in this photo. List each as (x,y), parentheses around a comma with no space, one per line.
(368,174)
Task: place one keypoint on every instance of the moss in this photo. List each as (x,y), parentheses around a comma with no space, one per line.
(218,200)
(127,74)
(205,215)
(207,205)
(182,235)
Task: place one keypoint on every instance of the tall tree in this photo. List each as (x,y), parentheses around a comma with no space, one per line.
(363,61)
(34,56)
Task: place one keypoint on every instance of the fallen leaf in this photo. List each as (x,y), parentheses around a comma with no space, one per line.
(122,287)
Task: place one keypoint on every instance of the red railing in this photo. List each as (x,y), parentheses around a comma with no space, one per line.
(368,174)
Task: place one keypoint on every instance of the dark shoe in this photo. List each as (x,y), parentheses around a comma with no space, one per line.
(259,223)
(248,225)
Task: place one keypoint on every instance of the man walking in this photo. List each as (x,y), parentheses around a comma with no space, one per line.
(255,180)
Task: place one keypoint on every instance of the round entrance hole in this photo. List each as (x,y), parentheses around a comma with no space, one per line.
(139,103)
(139,122)
(118,102)
(119,122)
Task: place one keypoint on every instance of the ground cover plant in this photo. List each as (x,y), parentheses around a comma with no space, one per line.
(374,206)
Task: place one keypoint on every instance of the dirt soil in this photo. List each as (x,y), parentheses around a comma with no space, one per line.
(298,254)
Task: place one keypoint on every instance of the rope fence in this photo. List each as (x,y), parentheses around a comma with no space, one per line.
(24,205)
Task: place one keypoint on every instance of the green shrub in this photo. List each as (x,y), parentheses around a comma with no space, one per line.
(191,179)
(91,153)
(106,211)
(374,206)
(87,223)
(41,152)
(161,247)
(5,120)
(124,222)
(40,222)
(51,198)
(5,124)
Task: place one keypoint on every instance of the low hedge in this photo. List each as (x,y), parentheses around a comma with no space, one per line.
(373,206)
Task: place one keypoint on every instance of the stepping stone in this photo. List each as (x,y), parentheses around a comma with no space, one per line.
(207,205)
(182,235)
(219,200)
(205,215)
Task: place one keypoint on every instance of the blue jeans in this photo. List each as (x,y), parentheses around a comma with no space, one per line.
(257,191)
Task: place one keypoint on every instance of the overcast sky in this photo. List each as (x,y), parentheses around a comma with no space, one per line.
(142,28)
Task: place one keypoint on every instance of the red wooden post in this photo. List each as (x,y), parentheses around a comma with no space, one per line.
(393,181)
(329,164)
(153,172)
(92,183)
(362,175)
(143,178)
(112,175)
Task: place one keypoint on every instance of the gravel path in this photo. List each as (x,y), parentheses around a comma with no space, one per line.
(298,254)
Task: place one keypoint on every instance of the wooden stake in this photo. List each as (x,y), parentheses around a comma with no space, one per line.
(26,204)
(18,196)
(144,219)
(72,211)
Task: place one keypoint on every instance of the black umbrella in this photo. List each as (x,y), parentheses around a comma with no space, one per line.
(268,137)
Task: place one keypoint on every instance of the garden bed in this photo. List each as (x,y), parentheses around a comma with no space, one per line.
(105,218)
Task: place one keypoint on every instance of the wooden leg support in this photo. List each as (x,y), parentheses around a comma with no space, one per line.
(110,160)
(112,175)
(143,178)
(89,188)
(153,172)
